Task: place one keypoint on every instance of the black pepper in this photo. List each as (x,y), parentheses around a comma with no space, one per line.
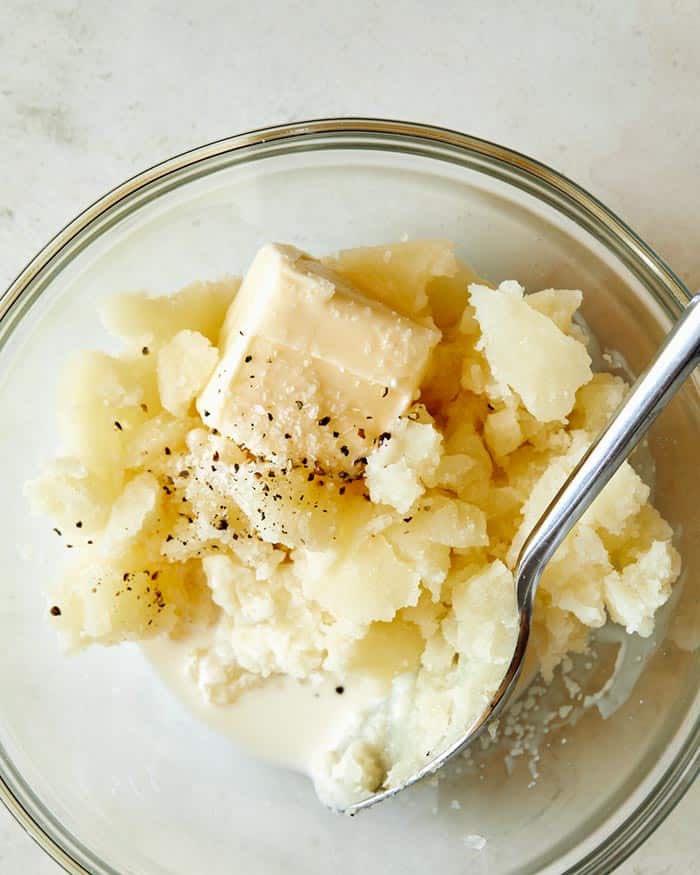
(340,690)
(324,420)
(118,425)
(145,350)
(55,611)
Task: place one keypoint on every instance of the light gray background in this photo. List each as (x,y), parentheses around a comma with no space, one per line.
(609,93)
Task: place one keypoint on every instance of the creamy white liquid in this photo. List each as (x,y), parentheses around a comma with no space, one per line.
(284,721)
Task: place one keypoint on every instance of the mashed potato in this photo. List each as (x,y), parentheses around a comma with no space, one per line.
(334,470)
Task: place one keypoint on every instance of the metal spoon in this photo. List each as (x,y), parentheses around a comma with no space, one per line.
(674,362)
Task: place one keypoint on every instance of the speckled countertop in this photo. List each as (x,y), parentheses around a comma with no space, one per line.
(93,91)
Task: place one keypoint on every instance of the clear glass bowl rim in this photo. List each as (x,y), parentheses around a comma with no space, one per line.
(370,134)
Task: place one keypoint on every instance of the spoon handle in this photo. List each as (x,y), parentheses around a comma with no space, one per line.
(675,361)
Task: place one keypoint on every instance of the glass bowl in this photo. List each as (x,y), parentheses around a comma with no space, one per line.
(98,761)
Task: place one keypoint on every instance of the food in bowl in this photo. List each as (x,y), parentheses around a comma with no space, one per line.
(317,481)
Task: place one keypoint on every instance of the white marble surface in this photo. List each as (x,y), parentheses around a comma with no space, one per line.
(93,91)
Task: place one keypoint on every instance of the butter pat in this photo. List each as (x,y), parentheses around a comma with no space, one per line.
(311,368)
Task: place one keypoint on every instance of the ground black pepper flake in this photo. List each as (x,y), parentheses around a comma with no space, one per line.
(236,467)
(385,392)
(340,690)
(144,407)
(344,450)
(287,436)
(167,451)
(216,456)
(206,413)
(55,611)
(184,474)
(407,519)
(361,461)
(169,538)
(324,420)
(154,576)
(361,433)
(270,417)
(383,437)
(118,425)
(336,434)
(145,350)
(79,524)
(311,477)
(221,525)
(490,406)
(248,358)
(341,491)
(299,404)
(58,532)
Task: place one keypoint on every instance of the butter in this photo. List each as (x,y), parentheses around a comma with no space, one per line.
(311,368)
